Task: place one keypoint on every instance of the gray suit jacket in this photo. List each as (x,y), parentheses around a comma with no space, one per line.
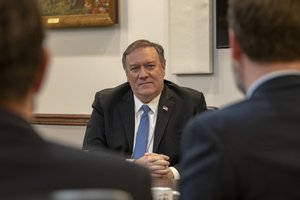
(112,122)
(250,150)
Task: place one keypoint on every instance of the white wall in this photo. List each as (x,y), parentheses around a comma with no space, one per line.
(86,60)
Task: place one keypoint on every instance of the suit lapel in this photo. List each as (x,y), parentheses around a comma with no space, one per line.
(126,108)
(165,108)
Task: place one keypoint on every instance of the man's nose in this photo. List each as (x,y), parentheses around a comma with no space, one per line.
(143,72)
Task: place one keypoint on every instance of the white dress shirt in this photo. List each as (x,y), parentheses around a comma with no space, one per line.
(153,105)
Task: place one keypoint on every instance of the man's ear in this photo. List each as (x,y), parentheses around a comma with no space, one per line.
(42,70)
(235,46)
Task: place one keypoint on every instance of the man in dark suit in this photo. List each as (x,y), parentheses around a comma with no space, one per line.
(250,150)
(115,118)
(29,165)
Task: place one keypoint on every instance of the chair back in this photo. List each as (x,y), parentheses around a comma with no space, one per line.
(212,108)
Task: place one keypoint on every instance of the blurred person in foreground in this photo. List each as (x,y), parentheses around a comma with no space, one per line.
(117,115)
(30,165)
(250,150)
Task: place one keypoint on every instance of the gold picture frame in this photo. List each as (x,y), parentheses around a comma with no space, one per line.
(79,13)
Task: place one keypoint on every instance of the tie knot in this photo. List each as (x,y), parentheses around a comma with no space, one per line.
(145,108)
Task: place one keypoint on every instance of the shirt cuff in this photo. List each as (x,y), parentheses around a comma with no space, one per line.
(175,173)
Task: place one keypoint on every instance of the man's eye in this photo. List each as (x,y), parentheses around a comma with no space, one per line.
(133,69)
(150,66)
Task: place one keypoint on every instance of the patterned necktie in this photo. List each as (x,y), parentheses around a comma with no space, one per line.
(142,134)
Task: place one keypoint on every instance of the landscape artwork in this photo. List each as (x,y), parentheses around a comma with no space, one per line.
(78,13)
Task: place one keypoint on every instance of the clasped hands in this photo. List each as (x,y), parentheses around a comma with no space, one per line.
(158,165)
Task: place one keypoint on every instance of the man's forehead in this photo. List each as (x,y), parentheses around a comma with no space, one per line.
(143,49)
(145,54)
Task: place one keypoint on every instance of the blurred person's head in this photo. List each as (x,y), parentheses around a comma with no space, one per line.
(22,58)
(263,32)
(144,65)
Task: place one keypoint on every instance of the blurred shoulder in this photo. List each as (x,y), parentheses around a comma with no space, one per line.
(93,169)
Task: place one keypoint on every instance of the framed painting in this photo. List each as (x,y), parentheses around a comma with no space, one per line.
(79,13)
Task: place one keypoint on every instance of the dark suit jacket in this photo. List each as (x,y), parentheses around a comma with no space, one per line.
(112,122)
(250,150)
(30,165)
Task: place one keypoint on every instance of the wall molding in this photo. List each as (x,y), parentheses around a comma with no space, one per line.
(61,119)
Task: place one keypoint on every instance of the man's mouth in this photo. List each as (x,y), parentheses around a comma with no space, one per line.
(145,83)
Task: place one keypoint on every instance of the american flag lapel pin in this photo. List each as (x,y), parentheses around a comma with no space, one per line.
(165,108)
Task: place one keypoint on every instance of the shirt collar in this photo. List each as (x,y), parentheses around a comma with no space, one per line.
(152,104)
